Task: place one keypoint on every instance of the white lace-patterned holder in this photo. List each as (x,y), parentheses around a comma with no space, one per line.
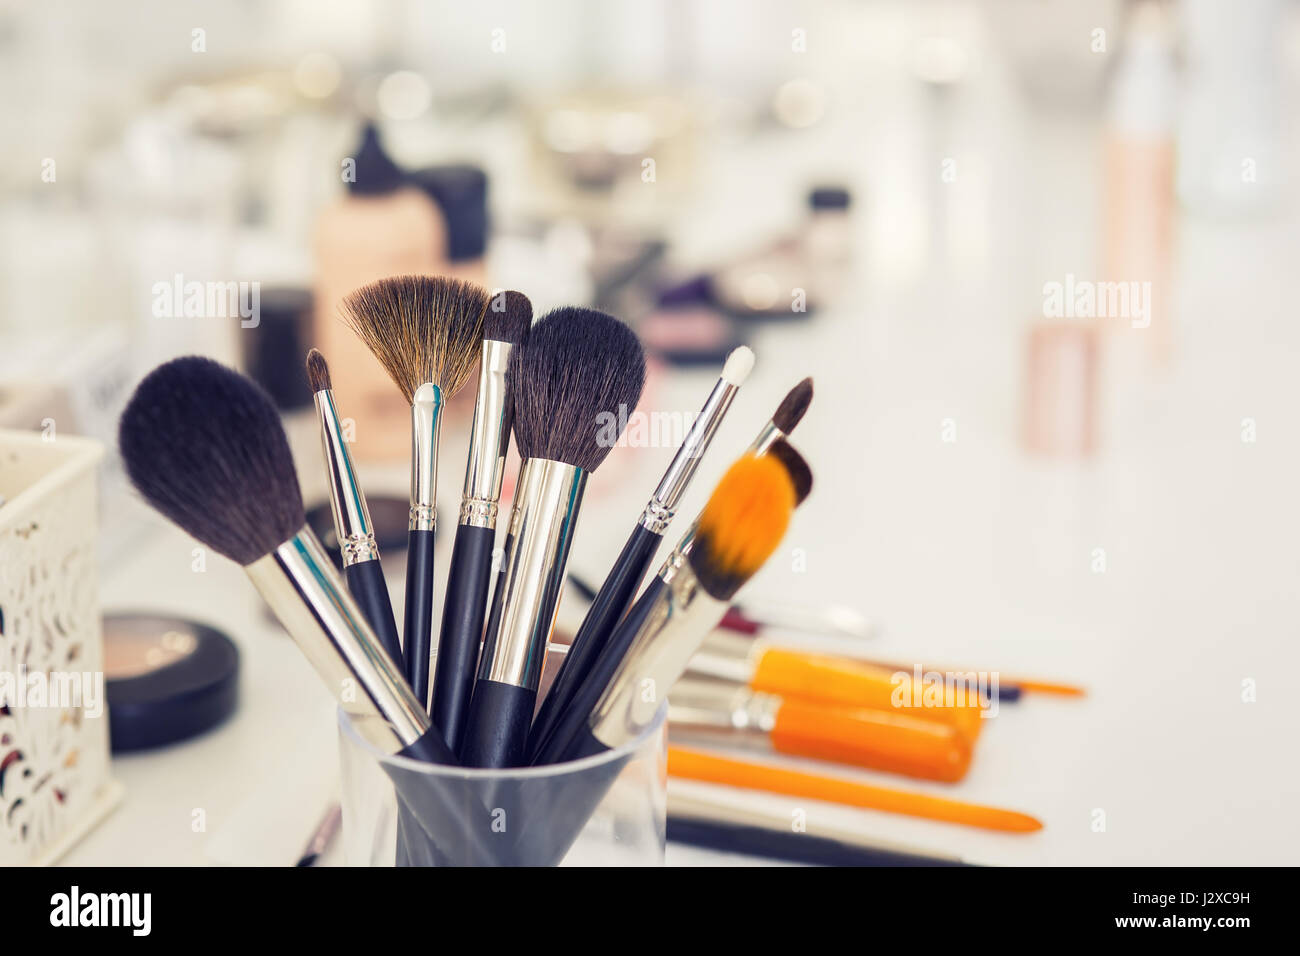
(54,770)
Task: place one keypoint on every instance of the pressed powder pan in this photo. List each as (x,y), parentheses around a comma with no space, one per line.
(166,679)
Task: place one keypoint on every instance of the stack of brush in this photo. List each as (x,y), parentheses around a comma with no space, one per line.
(204,445)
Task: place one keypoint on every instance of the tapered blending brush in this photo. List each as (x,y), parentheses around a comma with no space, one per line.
(426,332)
(890,740)
(740,527)
(571,378)
(506,324)
(615,595)
(787,415)
(361,567)
(205,447)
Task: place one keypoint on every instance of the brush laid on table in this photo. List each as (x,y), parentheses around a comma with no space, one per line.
(361,568)
(739,528)
(892,740)
(688,764)
(831,681)
(470,574)
(717,823)
(570,379)
(426,333)
(615,596)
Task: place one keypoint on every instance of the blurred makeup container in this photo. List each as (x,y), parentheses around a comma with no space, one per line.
(383,226)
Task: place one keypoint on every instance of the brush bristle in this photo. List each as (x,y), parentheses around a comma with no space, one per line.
(575,380)
(205,447)
(509,316)
(793,406)
(742,524)
(421,328)
(318,371)
(800,474)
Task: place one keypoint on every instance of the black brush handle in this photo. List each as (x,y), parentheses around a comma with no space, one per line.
(570,728)
(417,631)
(366,584)
(430,748)
(607,609)
(496,733)
(789,846)
(464,606)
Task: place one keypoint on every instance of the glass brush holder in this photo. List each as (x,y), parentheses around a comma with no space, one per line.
(607,810)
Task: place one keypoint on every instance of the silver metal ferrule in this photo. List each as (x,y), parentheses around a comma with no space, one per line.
(542,525)
(426,416)
(682,616)
(766,439)
(663,503)
(489,438)
(721,659)
(721,711)
(351,516)
(300,584)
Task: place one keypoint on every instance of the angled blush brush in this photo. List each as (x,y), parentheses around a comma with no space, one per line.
(506,325)
(426,332)
(361,567)
(205,447)
(615,595)
(739,528)
(575,373)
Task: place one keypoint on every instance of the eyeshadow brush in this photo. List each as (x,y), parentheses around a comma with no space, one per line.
(361,567)
(470,573)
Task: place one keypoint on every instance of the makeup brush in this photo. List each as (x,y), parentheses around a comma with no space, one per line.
(787,415)
(749,775)
(205,447)
(620,587)
(740,527)
(717,823)
(361,567)
(571,378)
(889,740)
(831,681)
(505,326)
(426,332)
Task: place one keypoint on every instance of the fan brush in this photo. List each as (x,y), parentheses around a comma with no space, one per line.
(426,332)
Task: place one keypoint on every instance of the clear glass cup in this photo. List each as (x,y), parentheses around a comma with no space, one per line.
(607,810)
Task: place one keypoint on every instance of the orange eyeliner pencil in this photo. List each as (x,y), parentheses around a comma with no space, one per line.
(710,768)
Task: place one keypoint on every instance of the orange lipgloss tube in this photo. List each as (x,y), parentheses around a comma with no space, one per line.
(877,739)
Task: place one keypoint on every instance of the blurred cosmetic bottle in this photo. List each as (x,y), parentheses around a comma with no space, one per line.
(1139,178)
(383,226)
